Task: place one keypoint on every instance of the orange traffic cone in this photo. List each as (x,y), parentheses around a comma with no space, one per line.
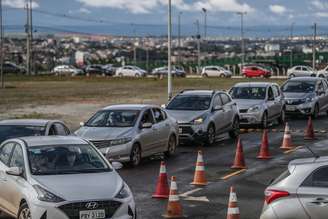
(239,162)
(233,210)
(309,132)
(264,151)
(287,141)
(199,177)
(174,208)
(162,188)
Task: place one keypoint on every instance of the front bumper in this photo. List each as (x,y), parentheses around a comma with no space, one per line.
(250,118)
(192,133)
(303,109)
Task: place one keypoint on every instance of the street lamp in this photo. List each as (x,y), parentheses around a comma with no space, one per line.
(242,14)
(291,46)
(169,45)
(205,22)
(179,38)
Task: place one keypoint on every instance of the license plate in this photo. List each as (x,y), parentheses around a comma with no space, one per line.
(290,108)
(94,214)
(180,131)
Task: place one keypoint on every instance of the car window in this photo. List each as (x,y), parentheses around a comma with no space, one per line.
(319,178)
(217,101)
(17,159)
(270,94)
(60,129)
(320,87)
(5,153)
(276,91)
(158,114)
(52,130)
(147,117)
(254,69)
(225,99)
(298,68)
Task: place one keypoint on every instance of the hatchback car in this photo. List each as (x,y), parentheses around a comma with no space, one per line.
(259,103)
(176,71)
(203,115)
(300,192)
(256,71)
(62,178)
(306,96)
(130,71)
(67,70)
(128,133)
(216,71)
(301,71)
(16,128)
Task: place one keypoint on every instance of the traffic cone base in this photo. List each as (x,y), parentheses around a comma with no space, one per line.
(162,188)
(264,150)
(239,162)
(200,175)
(174,208)
(287,141)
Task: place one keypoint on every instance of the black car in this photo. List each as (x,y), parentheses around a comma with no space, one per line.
(11,68)
(95,70)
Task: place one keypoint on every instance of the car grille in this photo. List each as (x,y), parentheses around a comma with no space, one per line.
(101,144)
(243,110)
(72,210)
(186,129)
(295,102)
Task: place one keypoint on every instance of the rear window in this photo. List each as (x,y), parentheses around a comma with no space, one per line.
(280,178)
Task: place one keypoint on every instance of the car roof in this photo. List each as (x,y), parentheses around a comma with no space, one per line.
(129,107)
(52,140)
(197,92)
(305,79)
(311,160)
(27,122)
(254,84)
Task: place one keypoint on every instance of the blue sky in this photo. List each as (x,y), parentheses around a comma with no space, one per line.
(220,12)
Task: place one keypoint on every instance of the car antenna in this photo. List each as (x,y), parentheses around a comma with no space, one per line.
(312,152)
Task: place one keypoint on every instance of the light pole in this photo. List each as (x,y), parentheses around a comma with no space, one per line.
(314,45)
(291,40)
(169,44)
(198,47)
(242,14)
(135,45)
(1,48)
(179,38)
(205,22)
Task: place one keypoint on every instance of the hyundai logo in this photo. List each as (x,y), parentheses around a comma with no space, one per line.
(91,205)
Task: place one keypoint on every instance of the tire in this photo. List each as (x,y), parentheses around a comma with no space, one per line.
(291,76)
(172,146)
(282,117)
(234,133)
(316,111)
(210,138)
(24,212)
(204,75)
(135,155)
(264,123)
(222,76)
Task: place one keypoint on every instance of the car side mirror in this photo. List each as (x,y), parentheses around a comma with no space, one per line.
(117,165)
(163,106)
(271,99)
(217,108)
(146,125)
(82,124)
(15,171)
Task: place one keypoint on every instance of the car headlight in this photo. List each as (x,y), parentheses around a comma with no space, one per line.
(119,141)
(199,120)
(254,109)
(46,196)
(308,99)
(123,193)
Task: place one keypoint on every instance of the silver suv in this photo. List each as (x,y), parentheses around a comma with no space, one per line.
(127,133)
(259,103)
(300,192)
(204,114)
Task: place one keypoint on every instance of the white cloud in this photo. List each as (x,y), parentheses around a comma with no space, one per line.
(223,5)
(18,3)
(321,14)
(318,4)
(278,9)
(80,11)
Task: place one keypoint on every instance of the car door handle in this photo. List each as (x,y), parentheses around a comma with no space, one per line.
(320,201)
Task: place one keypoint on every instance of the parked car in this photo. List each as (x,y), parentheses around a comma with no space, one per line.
(130,71)
(67,70)
(216,71)
(16,128)
(128,133)
(306,96)
(176,71)
(109,70)
(259,103)
(203,115)
(256,71)
(323,73)
(301,71)
(11,68)
(99,70)
(300,192)
(62,178)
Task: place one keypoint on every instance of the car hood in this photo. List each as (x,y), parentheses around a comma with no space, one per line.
(76,187)
(297,95)
(245,104)
(102,133)
(183,116)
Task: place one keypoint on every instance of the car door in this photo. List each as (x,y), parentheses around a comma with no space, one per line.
(148,136)
(228,111)
(163,128)
(298,71)
(313,193)
(278,100)
(270,103)
(254,72)
(322,96)
(218,115)
(306,71)
(325,85)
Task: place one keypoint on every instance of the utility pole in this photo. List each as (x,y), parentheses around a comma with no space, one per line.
(314,45)
(179,38)
(1,48)
(291,40)
(135,44)
(147,59)
(205,22)
(28,40)
(198,47)
(242,14)
(31,38)
(169,45)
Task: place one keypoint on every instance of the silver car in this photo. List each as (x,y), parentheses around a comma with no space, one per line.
(203,115)
(62,178)
(306,96)
(259,103)
(216,71)
(15,128)
(301,71)
(127,133)
(300,192)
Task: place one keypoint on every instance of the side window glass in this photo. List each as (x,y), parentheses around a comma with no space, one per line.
(52,130)
(5,153)
(217,101)
(158,115)
(147,117)
(298,68)
(225,99)
(60,129)
(319,178)
(275,91)
(17,159)
(270,94)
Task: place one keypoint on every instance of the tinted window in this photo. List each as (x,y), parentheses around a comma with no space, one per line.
(147,117)
(190,102)
(13,131)
(5,153)
(298,68)
(17,159)
(299,87)
(276,91)
(319,178)
(60,129)
(270,94)
(225,99)
(158,114)
(217,101)
(257,93)
(114,118)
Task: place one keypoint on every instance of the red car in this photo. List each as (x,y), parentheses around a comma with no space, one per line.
(256,71)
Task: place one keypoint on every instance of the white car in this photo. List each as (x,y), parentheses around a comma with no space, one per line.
(301,71)
(60,178)
(323,73)
(67,70)
(130,71)
(216,71)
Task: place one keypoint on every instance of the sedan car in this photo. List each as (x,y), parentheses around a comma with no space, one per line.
(306,96)
(130,71)
(301,71)
(203,115)
(256,71)
(16,128)
(10,68)
(67,70)
(300,192)
(62,178)
(216,71)
(323,73)
(176,71)
(128,133)
(259,103)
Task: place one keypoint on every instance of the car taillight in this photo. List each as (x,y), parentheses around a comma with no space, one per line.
(272,195)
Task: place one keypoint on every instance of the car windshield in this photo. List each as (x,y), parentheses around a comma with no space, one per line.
(114,118)
(15,131)
(248,93)
(190,102)
(65,159)
(299,87)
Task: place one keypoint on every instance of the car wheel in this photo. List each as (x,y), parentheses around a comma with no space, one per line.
(24,212)
(244,75)
(234,133)
(204,75)
(265,120)
(316,111)
(222,76)
(137,75)
(210,135)
(135,156)
(172,146)
(282,118)
(291,76)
